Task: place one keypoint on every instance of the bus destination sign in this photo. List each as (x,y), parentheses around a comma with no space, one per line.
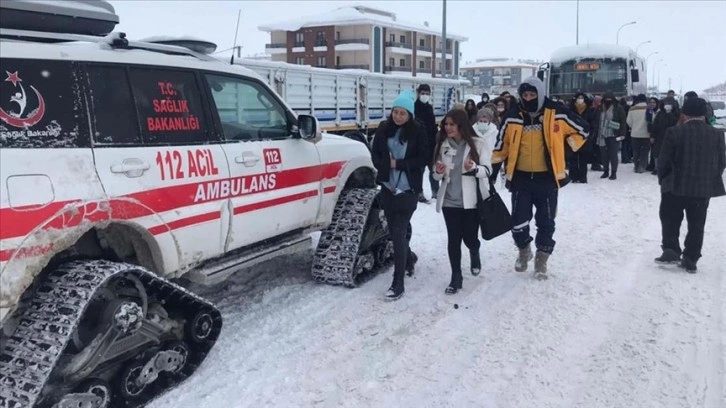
(587,66)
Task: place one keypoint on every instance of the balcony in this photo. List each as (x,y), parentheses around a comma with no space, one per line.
(352,41)
(361,66)
(321,43)
(424,48)
(298,44)
(398,69)
(398,44)
(276,48)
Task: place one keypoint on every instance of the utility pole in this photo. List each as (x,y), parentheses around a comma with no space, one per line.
(443,43)
(577,25)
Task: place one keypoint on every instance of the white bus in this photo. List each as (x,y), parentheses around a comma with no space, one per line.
(594,69)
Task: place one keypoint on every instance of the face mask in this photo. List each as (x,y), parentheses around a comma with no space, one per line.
(607,102)
(530,106)
(485,100)
(668,108)
(424,98)
(651,107)
(500,108)
(629,103)
(482,127)
(579,101)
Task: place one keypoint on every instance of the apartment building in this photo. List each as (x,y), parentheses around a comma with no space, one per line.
(361,37)
(496,75)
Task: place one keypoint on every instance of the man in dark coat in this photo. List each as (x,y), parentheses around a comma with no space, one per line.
(424,113)
(483,102)
(690,171)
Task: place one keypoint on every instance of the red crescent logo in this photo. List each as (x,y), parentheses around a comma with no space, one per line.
(30,120)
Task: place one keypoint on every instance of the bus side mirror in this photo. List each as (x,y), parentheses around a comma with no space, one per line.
(635,75)
(540,75)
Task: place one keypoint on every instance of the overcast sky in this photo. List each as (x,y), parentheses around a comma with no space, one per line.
(690,36)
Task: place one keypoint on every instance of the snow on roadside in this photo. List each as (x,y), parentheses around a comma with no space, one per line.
(609,329)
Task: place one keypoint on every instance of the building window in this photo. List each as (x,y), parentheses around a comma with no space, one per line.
(320,40)
(392,62)
(421,65)
(421,42)
(403,62)
(403,39)
(300,60)
(337,35)
(337,61)
(299,37)
(322,62)
(392,38)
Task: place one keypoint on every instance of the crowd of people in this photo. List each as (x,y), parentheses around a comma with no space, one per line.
(541,144)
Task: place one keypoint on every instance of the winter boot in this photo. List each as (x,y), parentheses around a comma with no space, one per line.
(613,176)
(669,256)
(688,265)
(605,174)
(422,199)
(540,265)
(475,263)
(525,255)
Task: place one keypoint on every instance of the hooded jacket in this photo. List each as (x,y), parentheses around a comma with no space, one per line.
(559,125)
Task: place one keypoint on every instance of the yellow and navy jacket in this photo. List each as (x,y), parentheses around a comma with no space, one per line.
(520,140)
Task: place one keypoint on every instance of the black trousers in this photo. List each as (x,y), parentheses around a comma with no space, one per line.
(398,210)
(537,190)
(433,182)
(641,148)
(577,164)
(609,155)
(672,208)
(461,225)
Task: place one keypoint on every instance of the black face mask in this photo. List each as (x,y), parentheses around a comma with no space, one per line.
(530,106)
(607,102)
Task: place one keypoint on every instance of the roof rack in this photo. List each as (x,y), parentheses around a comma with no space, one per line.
(114,40)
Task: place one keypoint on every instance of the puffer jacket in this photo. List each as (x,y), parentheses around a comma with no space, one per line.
(637,122)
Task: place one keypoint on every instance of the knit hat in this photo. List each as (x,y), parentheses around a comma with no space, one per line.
(485,113)
(694,107)
(405,100)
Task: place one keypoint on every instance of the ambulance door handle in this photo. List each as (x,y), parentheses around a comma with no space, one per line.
(131,167)
(248,159)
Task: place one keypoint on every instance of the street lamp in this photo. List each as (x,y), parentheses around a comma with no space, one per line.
(641,44)
(617,35)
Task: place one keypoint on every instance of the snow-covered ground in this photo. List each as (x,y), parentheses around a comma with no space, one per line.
(609,328)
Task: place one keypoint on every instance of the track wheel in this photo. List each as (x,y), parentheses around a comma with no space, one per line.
(130,386)
(99,388)
(200,327)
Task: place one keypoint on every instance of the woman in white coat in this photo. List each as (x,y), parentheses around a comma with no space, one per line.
(462,157)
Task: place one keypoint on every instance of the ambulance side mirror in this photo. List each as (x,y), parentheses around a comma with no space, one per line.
(308,127)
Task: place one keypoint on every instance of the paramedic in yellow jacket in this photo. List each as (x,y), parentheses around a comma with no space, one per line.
(532,141)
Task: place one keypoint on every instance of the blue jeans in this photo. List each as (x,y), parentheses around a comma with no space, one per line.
(537,190)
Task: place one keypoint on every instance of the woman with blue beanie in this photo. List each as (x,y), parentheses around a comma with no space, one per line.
(399,153)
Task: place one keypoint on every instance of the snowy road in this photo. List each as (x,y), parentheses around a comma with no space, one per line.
(608,329)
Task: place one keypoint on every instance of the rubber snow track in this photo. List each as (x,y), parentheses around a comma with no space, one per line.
(609,329)
(30,354)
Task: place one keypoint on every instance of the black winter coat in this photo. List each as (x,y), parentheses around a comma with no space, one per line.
(692,161)
(662,121)
(413,163)
(424,113)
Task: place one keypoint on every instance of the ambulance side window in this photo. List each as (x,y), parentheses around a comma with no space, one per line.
(169,105)
(247,110)
(114,117)
(40,105)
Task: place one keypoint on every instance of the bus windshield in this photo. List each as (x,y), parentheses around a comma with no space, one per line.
(595,76)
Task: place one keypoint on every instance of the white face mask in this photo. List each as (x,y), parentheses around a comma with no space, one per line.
(424,98)
(629,103)
(482,127)
(500,109)
(668,108)
(579,101)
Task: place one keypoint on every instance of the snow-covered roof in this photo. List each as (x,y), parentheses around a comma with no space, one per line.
(498,63)
(576,52)
(355,15)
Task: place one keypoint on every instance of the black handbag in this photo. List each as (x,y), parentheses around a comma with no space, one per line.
(493,214)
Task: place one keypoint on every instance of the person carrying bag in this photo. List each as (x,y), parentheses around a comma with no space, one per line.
(461,158)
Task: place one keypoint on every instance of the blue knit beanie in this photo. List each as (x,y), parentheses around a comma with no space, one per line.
(405,100)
